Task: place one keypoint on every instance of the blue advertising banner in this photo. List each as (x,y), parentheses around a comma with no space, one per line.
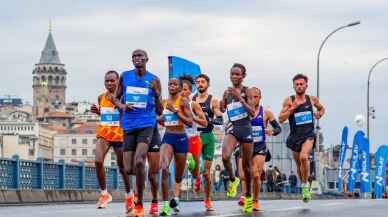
(354,163)
(381,159)
(365,180)
(343,147)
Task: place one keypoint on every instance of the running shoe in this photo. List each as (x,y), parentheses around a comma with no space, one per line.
(232,188)
(174,205)
(129,203)
(103,200)
(154,208)
(248,205)
(306,195)
(165,209)
(208,205)
(256,206)
(241,201)
(138,211)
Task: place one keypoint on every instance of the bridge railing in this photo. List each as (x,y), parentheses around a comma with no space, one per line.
(18,174)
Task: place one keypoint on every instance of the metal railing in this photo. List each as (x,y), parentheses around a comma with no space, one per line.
(17,174)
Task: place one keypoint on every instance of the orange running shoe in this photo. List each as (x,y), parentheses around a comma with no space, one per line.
(154,208)
(208,205)
(256,206)
(197,185)
(103,200)
(129,203)
(241,202)
(138,211)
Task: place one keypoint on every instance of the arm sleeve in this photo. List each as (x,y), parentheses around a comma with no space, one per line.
(276,127)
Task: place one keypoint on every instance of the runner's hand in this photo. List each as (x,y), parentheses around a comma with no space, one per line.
(154,86)
(235,94)
(268,132)
(317,115)
(126,107)
(170,107)
(94,109)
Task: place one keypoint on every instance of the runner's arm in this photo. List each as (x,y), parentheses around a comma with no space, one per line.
(158,97)
(320,108)
(186,116)
(96,108)
(116,100)
(215,106)
(270,118)
(223,102)
(201,117)
(249,108)
(286,111)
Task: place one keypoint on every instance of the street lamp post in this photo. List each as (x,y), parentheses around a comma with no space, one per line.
(367,95)
(318,86)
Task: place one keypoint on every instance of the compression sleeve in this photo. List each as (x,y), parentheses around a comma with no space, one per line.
(276,127)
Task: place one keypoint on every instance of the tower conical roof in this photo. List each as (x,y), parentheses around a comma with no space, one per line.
(50,54)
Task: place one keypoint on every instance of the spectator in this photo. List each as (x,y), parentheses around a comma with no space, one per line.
(284,183)
(225,179)
(293,181)
(270,180)
(277,177)
(217,178)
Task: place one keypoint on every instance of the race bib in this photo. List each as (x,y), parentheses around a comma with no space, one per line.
(303,118)
(109,117)
(257,133)
(137,96)
(170,118)
(236,111)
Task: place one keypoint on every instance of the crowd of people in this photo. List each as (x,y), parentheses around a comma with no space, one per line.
(132,108)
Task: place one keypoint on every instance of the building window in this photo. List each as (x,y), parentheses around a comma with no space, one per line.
(94,152)
(94,141)
(84,152)
(31,152)
(73,152)
(112,157)
(62,151)
(84,141)
(112,164)
(74,141)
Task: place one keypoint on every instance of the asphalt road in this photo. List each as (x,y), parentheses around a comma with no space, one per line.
(274,208)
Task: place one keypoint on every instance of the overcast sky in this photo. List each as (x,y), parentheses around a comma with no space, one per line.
(274,39)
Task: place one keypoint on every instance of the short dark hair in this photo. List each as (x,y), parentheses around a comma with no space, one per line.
(241,66)
(300,76)
(187,79)
(112,72)
(140,50)
(204,76)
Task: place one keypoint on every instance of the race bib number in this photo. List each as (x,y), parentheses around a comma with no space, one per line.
(109,117)
(170,118)
(257,134)
(236,111)
(303,118)
(137,96)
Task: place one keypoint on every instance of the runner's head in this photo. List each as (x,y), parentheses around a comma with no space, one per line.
(111,80)
(174,86)
(254,96)
(139,58)
(202,83)
(237,74)
(300,84)
(187,85)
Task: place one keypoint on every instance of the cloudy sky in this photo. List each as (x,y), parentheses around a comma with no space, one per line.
(274,39)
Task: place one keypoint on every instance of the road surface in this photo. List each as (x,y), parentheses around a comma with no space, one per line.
(274,208)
